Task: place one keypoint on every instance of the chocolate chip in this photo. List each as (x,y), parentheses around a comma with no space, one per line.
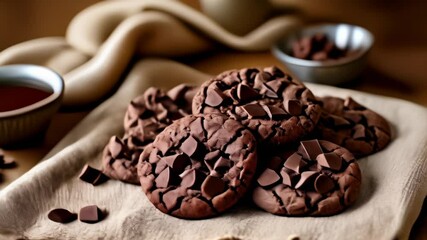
(329,160)
(265,90)
(246,94)
(274,113)
(115,146)
(268,178)
(61,215)
(193,179)
(214,97)
(222,163)
(177,162)
(323,184)
(295,163)
(170,198)
(212,186)
(167,178)
(339,121)
(192,148)
(275,85)
(293,107)
(350,103)
(254,111)
(359,131)
(306,179)
(92,175)
(90,214)
(260,79)
(311,149)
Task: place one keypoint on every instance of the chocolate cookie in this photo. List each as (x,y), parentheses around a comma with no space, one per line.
(318,179)
(199,166)
(147,115)
(276,107)
(353,126)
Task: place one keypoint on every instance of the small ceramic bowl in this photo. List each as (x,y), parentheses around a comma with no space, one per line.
(357,40)
(25,124)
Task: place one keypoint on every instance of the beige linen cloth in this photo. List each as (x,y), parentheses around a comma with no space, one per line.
(96,56)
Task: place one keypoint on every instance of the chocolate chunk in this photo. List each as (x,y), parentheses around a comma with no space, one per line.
(193,179)
(293,107)
(115,146)
(311,149)
(320,56)
(245,93)
(254,111)
(268,178)
(170,198)
(212,186)
(275,85)
(274,113)
(222,163)
(260,79)
(214,97)
(301,49)
(177,162)
(167,178)
(339,121)
(329,160)
(92,175)
(350,103)
(178,92)
(306,179)
(295,163)
(323,184)
(286,178)
(359,131)
(192,147)
(90,214)
(61,215)
(7,162)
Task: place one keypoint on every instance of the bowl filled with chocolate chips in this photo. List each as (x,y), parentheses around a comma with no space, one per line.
(329,53)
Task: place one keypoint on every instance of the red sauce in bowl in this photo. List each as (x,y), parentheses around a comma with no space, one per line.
(15,97)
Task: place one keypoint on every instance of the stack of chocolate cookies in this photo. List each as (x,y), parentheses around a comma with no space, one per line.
(245,133)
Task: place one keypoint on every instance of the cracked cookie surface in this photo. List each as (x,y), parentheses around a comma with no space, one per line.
(199,166)
(320,178)
(349,124)
(146,116)
(277,108)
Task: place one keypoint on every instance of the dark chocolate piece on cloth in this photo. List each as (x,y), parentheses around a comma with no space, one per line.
(91,214)
(217,164)
(349,124)
(324,185)
(92,175)
(277,108)
(61,215)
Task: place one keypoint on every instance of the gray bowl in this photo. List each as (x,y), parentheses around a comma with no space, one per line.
(356,39)
(25,125)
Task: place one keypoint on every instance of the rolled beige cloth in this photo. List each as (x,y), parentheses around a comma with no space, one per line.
(113,32)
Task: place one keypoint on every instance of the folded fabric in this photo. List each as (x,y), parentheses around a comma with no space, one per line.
(102,40)
(393,181)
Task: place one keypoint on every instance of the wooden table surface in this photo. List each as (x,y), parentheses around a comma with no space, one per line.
(394,70)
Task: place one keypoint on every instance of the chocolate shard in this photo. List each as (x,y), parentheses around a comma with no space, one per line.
(115,146)
(359,131)
(212,186)
(293,107)
(266,91)
(90,214)
(61,215)
(260,79)
(215,97)
(311,149)
(167,178)
(193,148)
(222,164)
(353,116)
(193,179)
(286,178)
(339,121)
(350,103)
(295,163)
(329,160)
(254,111)
(268,178)
(275,85)
(177,162)
(323,184)
(274,113)
(306,179)
(170,199)
(246,93)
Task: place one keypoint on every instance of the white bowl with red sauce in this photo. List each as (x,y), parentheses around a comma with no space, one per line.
(29,97)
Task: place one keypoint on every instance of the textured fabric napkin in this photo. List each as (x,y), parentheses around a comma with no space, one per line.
(393,181)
